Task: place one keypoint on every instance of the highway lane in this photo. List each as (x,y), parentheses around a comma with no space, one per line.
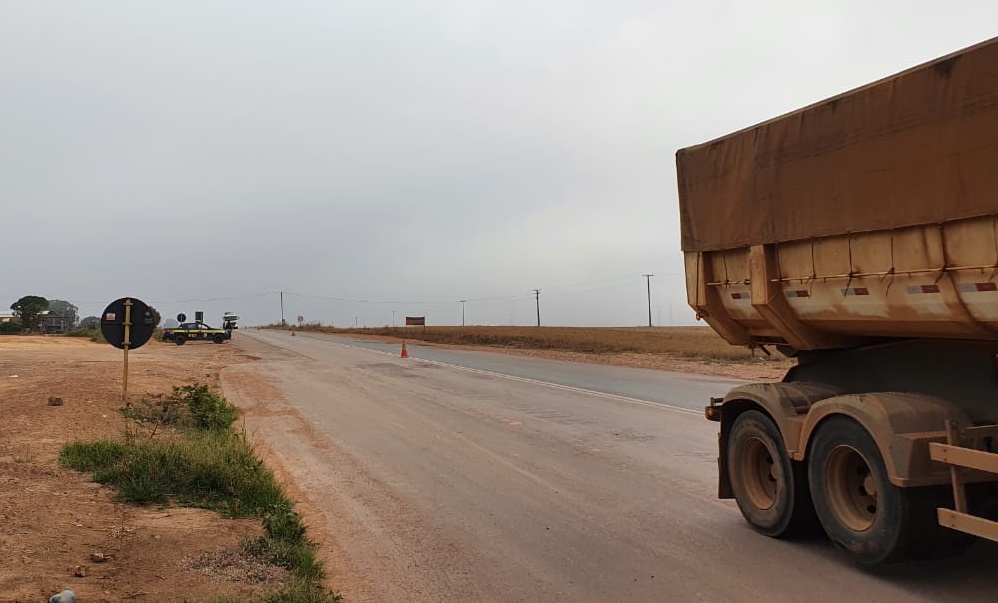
(432,483)
(684,390)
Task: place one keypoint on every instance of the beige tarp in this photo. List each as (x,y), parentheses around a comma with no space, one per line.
(919,147)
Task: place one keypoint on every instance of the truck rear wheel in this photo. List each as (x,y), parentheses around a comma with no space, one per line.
(218,338)
(865,514)
(179,339)
(771,491)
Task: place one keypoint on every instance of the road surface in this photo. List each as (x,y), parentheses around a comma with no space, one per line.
(427,482)
(685,390)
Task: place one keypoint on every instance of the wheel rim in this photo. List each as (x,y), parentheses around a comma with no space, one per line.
(761,475)
(852,488)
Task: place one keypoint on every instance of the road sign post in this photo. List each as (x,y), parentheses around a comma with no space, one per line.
(126,343)
(127,324)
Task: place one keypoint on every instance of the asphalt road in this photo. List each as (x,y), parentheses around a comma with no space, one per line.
(683,390)
(427,482)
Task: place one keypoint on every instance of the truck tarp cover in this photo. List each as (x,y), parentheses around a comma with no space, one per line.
(920,147)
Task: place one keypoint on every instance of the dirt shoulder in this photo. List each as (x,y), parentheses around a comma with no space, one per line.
(54,520)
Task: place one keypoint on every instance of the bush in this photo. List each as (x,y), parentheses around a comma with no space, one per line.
(10,328)
(206,409)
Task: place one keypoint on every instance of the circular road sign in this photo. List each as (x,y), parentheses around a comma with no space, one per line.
(112,323)
(181,317)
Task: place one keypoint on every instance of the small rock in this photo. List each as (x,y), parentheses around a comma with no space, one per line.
(66,596)
(80,571)
(99,557)
(55,401)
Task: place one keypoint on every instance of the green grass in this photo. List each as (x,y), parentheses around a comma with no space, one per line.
(94,335)
(207,410)
(208,465)
(213,470)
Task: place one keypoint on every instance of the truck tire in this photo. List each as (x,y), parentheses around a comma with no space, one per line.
(218,338)
(862,512)
(770,489)
(179,339)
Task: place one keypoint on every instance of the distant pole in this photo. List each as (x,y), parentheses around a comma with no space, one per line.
(355,319)
(537,296)
(463,301)
(393,319)
(648,281)
(282,308)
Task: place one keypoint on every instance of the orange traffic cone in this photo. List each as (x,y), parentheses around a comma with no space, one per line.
(292,332)
(405,352)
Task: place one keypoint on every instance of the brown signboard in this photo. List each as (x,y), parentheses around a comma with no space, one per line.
(415,321)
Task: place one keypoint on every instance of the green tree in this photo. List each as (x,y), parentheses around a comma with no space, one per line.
(156,316)
(10,328)
(71,312)
(90,322)
(29,309)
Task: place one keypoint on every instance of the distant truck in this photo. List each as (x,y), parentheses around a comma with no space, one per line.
(859,235)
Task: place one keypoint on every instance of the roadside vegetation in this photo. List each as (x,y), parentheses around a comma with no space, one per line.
(680,342)
(182,450)
(93,334)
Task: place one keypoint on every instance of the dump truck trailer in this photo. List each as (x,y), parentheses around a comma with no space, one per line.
(859,235)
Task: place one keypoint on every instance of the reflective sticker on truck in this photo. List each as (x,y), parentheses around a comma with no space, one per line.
(977,287)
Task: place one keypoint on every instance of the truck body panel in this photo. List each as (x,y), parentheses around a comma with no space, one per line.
(859,235)
(870,215)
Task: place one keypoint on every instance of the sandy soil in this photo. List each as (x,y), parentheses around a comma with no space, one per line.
(53,520)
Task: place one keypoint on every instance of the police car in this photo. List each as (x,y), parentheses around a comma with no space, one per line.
(195,331)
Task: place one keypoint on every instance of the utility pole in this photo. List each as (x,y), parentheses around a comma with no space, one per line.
(463,301)
(537,296)
(282,309)
(648,281)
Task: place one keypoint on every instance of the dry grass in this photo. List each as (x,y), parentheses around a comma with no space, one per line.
(680,342)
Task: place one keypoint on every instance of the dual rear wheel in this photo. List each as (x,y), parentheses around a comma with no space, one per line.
(844,487)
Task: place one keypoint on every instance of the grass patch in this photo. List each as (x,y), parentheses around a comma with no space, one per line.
(94,335)
(207,411)
(211,470)
(203,463)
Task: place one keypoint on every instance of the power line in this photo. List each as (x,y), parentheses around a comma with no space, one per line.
(560,289)
(369,301)
(207,299)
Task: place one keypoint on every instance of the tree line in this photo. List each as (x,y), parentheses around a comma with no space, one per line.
(29,312)
(35,314)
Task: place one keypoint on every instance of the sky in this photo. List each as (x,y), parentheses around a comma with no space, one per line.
(379,159)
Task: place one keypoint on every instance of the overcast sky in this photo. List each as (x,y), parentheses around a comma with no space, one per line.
(400,152)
